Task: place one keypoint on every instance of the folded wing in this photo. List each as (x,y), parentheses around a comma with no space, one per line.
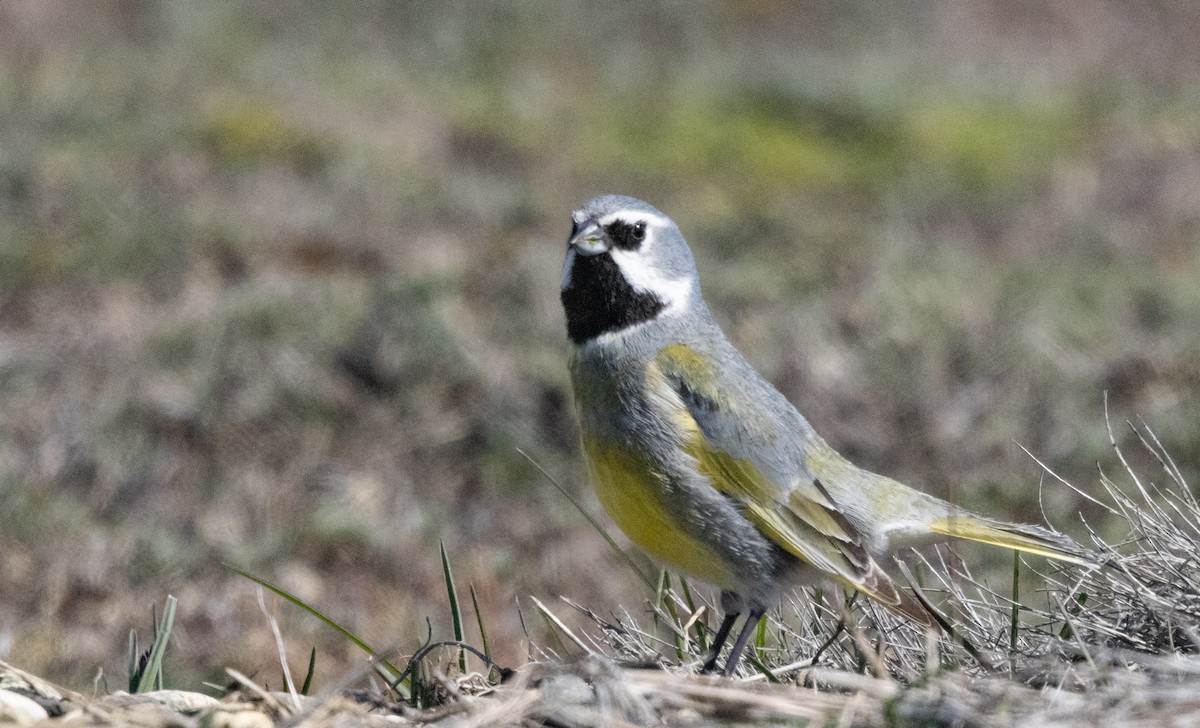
(800,515)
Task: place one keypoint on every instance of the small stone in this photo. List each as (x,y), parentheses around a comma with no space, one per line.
(236,719)
(20,710)
(566,689)
(183,701)
(294,702)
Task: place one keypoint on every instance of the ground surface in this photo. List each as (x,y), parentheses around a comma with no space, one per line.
(598,693)
(278,283)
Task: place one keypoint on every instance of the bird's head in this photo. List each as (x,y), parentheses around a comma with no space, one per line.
(627,263)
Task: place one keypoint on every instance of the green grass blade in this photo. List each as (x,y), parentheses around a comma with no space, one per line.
(646,579)
(387,670)
(151,677)
(765,671)
(133,673)
(754,655)
(308,675)
(483,638)
(663,600)
(1067,632)
(521,618)
(524,630)
(660,589)
(760,638)
(455,610)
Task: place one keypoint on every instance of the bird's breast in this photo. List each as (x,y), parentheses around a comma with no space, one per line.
(633,490)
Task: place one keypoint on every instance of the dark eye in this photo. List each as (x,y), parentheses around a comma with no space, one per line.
(626,236)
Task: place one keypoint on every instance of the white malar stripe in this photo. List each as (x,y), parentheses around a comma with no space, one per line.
(674,292)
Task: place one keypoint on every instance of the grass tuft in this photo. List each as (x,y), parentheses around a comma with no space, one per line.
(386,670)
(145,669)
(455,609)
(1143,604)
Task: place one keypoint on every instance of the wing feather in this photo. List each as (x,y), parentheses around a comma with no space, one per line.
(800,516)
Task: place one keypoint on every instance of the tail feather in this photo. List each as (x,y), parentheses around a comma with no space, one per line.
(876,584)
(1016,536)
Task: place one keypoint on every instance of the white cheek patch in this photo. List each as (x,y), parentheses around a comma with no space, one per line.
(674,292)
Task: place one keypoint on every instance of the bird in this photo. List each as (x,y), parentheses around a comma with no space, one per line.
(704,464)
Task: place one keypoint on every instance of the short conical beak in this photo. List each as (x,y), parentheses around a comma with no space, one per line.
(589,239)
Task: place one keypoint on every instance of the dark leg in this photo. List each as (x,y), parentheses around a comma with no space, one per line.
(722,635)
(735,655)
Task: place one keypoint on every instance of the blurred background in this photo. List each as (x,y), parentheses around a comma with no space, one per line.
(279,283)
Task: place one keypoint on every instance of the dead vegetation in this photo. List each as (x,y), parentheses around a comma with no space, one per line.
(1110,645)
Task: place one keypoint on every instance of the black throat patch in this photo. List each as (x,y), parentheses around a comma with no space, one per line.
(599,300)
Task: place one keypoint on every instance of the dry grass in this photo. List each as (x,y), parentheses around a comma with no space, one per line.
(1115,645)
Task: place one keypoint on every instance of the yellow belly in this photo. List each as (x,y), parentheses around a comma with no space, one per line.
(631,493)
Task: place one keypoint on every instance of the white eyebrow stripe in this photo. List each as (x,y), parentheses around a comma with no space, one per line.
(633,215)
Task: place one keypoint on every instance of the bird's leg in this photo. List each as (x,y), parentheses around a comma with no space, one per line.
(735,655)
(719,642)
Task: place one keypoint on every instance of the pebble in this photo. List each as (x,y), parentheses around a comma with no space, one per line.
(236,719)
(566,689)
(183,701)
(16,709)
